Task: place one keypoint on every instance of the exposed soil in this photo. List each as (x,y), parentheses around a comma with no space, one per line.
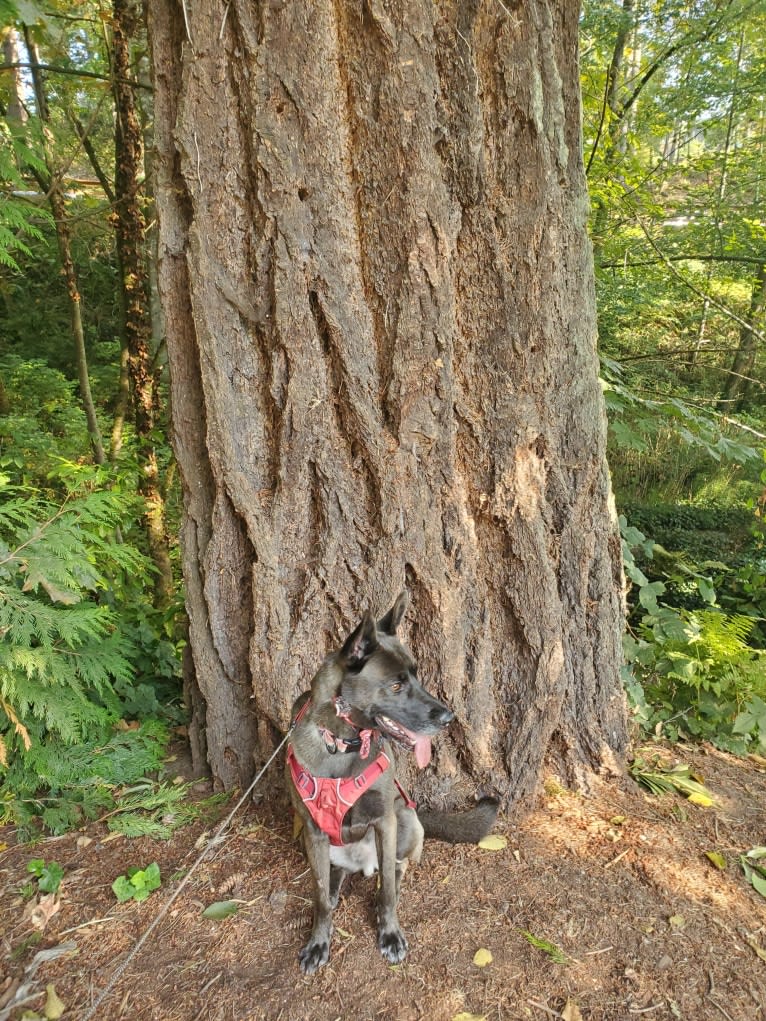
(618,881)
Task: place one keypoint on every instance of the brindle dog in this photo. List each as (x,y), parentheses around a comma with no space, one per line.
(363,697)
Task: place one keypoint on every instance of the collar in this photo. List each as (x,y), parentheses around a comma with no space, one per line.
(333,743)
(361,743)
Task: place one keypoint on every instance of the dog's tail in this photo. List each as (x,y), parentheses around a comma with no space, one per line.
(461,827)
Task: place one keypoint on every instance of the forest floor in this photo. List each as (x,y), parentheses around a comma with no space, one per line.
(619,882)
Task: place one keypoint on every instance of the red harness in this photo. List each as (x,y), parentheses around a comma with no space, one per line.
(328,798)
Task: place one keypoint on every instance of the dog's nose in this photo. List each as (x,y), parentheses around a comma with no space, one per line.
(443,716)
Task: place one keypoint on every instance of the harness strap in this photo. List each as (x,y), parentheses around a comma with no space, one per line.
(329,799)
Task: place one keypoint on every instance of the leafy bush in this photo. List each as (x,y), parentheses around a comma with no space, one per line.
(41,422)
(692,671)
(68,663)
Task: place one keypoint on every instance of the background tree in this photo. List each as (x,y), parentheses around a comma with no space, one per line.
(381,332)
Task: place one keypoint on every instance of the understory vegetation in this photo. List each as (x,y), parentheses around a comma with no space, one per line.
(91,608)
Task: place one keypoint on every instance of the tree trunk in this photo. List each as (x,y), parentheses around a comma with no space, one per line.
(129,233)
(740,377)
(16,111)
(53,188)
(379,301)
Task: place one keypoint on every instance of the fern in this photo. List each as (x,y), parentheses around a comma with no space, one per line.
(154,810)
(62,788)
(17,219)
(692,672)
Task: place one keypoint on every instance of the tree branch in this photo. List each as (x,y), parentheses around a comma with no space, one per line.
(55,69)
(696,290)
(83,134)
(754,260)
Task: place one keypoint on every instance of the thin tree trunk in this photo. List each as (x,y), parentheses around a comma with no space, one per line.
(53,189)
(740,376)
(129,231)
(723,181)
(16,111)
(612,117)
(381,334)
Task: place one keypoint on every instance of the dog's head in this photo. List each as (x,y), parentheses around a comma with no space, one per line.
(381,689)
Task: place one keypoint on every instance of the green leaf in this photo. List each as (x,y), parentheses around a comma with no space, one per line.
(137,884)
(647,595)
(221,909)
(555,953)
(716,858)
(123,889)
(49,875)
(706,589)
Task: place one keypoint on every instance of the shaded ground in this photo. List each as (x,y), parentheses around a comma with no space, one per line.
(650,928)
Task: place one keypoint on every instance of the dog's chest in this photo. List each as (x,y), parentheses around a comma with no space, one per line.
(359,856)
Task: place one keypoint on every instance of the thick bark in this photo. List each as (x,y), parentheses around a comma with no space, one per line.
(381,334)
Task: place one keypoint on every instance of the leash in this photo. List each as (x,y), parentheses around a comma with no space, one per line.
(214,841)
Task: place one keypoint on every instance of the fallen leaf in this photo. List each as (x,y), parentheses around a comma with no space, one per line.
(465,1016)
(716,858)
(701,799)
(54,1006)
(571,1012)
(482,958)
(221,909)
(201,840)
(677,922)
(84,841)
(758,950)
(494,842)
(44,911)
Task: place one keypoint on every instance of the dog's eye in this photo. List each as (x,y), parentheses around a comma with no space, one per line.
(399,683)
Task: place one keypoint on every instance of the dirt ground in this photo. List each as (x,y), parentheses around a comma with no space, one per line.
(619,882)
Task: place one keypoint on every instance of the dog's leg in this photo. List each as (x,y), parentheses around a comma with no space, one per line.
(317,951)
(391,941)
(337,875)
(409,843)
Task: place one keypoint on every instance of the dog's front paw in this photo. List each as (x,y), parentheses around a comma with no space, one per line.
(392,945)
(313,956)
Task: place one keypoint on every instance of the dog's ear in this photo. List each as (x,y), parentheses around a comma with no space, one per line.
(390,622)
(361,643)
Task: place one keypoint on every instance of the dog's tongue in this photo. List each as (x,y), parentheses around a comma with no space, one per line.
(422,750)
(421,746)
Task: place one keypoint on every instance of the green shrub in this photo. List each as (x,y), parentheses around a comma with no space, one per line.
(72,599)
(692,672)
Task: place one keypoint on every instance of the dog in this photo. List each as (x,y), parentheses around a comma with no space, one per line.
(355,816)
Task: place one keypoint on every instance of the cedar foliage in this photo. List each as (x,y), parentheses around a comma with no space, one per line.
(68,655)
